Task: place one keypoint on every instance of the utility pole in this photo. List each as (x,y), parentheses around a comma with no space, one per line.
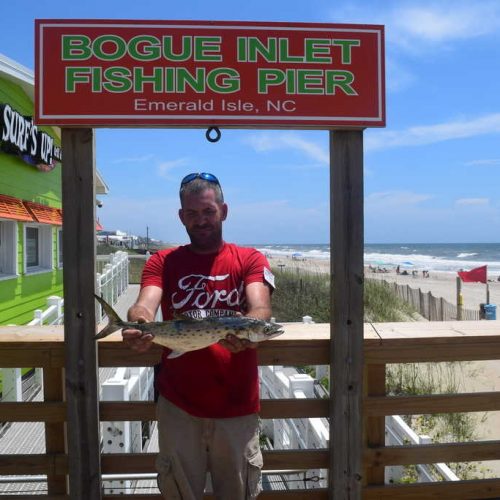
(147,238)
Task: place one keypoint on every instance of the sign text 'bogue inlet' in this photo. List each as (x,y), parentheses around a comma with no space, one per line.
(200,73)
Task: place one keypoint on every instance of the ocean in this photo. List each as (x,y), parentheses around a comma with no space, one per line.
(448,257)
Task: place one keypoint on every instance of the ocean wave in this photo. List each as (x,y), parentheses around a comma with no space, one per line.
(415,260)
(428,262)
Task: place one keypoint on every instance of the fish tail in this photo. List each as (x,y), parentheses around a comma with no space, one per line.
(115,322)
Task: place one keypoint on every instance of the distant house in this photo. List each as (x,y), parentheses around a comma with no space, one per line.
(118,238)
(31,257)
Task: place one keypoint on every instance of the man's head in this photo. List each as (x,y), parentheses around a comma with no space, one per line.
(197,182)
(202,211)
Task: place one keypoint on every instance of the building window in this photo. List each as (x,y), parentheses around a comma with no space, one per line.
(32,247)
(8,247)
(59,248)
(37,248)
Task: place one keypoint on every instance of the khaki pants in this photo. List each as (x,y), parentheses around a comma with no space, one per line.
(191,446)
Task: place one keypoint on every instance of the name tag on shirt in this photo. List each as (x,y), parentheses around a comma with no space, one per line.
(269,277)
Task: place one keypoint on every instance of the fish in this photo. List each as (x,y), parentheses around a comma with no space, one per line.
(184,334)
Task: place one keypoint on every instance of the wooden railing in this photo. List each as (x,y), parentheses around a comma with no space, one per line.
(300,345)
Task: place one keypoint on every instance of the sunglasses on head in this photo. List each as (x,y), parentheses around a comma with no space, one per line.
(203,175)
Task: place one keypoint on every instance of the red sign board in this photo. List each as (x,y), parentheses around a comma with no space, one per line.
(200,73)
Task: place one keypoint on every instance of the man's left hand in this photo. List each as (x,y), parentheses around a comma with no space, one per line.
(234,344)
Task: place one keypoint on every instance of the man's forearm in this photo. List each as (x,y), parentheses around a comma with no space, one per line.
(259,312)
(138,311)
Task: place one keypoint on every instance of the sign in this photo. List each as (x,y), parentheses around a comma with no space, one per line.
(20,136)
(201,73)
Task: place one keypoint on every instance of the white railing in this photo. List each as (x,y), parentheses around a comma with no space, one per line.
(127,384)
(398,432)
(305,433)
(53,315)
(113,280)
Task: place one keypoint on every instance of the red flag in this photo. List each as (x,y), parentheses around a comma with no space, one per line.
(474,275)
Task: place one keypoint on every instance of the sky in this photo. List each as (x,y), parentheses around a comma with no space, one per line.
(431,175)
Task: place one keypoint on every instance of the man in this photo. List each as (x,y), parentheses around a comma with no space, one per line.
(209,398)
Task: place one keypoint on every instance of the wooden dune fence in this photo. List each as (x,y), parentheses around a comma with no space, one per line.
(428,306)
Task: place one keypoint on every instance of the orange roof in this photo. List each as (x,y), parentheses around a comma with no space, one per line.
(45,214)
(13,208)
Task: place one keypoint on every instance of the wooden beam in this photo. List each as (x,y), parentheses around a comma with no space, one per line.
(456,490)
(270,408)
(78,189)
(131,463)
(46,411)
(436,403)
(346,356)
(432,453)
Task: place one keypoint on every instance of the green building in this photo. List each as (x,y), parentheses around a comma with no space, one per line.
(31,257)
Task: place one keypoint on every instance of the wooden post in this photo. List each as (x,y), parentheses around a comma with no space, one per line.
(78,190)
(375,426)
(346,325)
(460,300)
(55,435)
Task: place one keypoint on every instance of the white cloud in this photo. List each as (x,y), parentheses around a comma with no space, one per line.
(430,134)
(493,161)
(414,25)
(394,199)
(270,142)
(472,202)
(271,221)
(134,159)
(165,167)
(445,21)
(133,215)
(397,76)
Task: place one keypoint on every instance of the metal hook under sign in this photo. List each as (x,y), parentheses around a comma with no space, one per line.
(209,132)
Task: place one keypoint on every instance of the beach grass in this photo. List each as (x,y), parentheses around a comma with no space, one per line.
(135,267)
(300,293)
(418,379)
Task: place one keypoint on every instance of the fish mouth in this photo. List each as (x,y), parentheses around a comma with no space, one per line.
(275,332)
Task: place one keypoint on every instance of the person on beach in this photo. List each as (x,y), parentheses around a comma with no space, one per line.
(208,399)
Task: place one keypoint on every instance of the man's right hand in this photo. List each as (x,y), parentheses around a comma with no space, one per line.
(136,339)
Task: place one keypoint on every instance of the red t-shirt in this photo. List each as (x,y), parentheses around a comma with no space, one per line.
(210,382)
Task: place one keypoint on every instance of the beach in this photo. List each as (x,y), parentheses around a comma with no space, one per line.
(439,283)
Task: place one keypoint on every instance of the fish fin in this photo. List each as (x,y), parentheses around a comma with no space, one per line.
(115,322)
(174,354)
(112,327)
